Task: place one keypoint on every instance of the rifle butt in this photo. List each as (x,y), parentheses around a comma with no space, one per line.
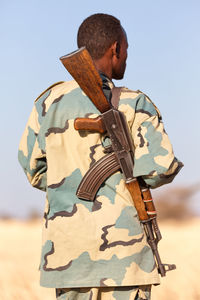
(81,66)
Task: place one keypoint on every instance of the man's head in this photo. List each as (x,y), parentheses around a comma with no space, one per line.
(106,41)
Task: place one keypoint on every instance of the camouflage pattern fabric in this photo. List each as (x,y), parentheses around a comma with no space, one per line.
(100,243)
(106,293)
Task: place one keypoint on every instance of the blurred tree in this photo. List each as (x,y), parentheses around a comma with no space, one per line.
(175,203)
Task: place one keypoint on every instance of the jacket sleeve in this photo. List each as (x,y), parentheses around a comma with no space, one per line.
(154,156)
(31,157)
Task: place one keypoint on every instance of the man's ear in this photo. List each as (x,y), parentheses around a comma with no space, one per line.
(116,49)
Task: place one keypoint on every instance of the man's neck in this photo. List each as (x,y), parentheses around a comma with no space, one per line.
(107,86)
(104,67)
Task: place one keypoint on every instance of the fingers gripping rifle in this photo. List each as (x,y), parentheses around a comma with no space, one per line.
(119,155)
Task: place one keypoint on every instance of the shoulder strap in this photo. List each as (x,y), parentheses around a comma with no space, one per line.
(116,91)
(50,87)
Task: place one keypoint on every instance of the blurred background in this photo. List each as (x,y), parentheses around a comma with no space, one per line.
(163,62)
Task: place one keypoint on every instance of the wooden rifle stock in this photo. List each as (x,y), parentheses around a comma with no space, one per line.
(81,66)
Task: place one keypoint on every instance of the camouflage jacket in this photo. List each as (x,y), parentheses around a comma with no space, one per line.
(100,243)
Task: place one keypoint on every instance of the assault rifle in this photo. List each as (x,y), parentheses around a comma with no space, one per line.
(119,155)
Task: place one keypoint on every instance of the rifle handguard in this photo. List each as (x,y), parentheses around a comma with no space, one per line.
(134,190)
(148,201)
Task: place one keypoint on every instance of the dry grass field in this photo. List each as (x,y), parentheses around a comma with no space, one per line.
(20,254)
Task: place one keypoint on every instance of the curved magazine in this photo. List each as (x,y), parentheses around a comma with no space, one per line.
(96,175)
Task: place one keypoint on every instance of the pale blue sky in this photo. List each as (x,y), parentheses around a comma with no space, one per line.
(163,61)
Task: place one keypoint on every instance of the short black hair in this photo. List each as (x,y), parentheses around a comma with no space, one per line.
(98,32)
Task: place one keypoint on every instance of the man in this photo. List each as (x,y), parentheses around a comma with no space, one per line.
(94,250)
